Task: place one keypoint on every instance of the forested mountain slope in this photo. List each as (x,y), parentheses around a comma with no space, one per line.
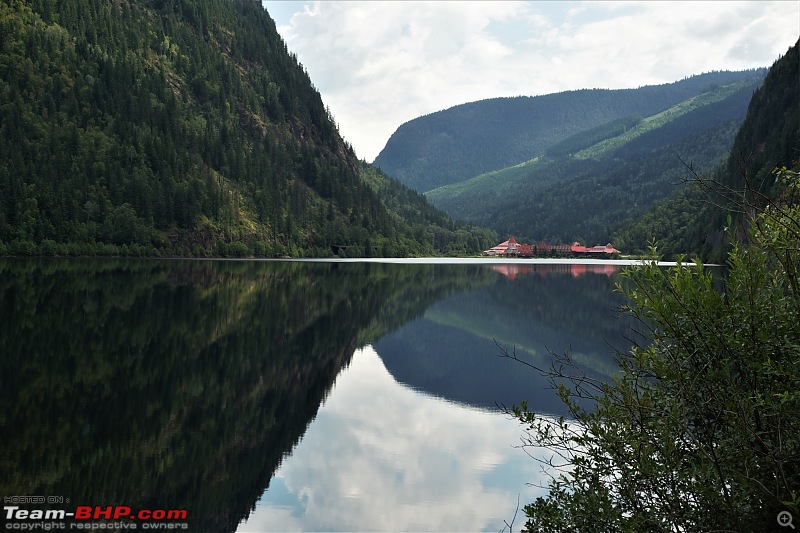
(583,186)
(693,219)
(467,140)
(166,127)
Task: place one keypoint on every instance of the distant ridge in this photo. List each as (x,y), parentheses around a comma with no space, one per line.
(458,143)
(582,186)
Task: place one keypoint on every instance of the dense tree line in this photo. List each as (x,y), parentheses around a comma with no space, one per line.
(171,127)
(672,225)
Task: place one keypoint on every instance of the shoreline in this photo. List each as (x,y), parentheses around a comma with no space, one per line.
(486,261)
(386,260)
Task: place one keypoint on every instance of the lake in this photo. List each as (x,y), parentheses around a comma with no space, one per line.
(291,395)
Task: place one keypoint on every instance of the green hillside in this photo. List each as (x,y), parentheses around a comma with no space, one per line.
(692,220)
(471,139)
(582,187)
(165,127)
(426,223)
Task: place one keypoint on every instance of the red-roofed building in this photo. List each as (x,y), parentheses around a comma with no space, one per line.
(551,249)
(525,250)
(511,248)
(577,248)
(506,248)
(606,250)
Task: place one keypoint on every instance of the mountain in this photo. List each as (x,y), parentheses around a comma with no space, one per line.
(459,143)
(693,219)
(166,127)
(584,185)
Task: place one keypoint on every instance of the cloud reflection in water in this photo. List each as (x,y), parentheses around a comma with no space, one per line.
(382,457)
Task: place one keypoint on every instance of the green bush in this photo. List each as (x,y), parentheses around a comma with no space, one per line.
(699,431)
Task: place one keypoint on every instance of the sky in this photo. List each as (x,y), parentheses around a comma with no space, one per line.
(378,64)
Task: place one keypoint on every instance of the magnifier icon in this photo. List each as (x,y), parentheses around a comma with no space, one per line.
(785,519)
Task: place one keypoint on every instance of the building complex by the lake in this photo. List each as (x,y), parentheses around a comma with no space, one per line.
(512,248)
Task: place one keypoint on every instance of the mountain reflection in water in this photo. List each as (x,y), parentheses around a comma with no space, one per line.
(186,384)
(410,438)
(533,311)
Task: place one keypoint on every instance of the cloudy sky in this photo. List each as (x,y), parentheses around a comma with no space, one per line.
(380,64)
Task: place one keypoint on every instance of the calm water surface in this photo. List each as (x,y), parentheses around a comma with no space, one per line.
(275,396)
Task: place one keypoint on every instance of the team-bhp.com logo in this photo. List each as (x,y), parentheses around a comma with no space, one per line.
(93,517)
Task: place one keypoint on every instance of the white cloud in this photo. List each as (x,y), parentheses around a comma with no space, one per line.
(379,64)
